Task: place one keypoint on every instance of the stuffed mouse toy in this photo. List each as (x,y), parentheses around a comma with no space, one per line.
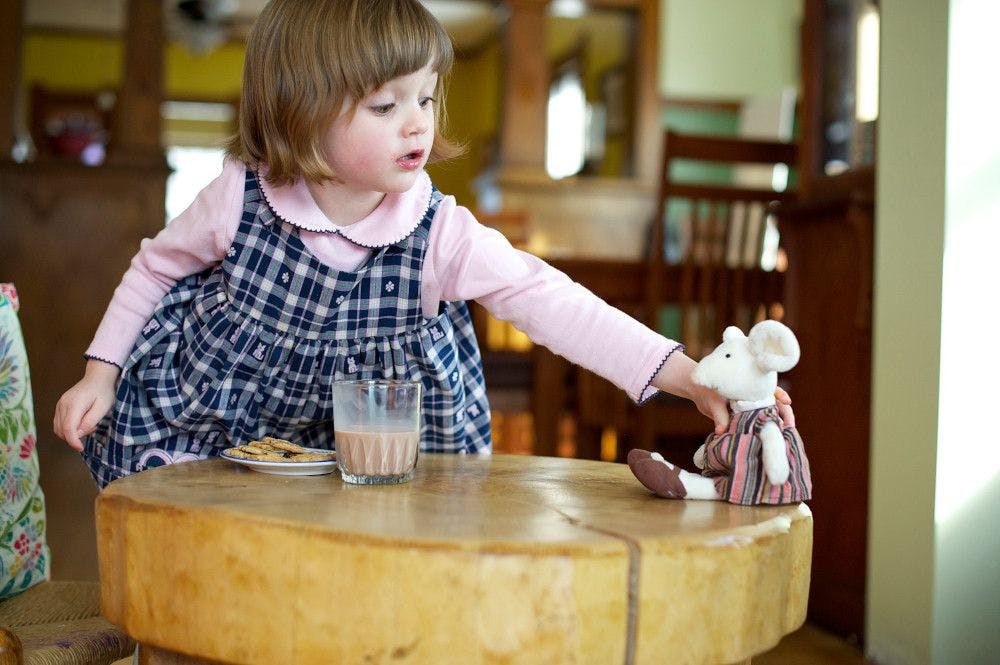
(756,460)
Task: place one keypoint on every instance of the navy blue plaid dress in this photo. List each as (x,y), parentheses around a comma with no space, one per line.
(253,346)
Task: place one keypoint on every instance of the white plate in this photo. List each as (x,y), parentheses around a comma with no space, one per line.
(288,468)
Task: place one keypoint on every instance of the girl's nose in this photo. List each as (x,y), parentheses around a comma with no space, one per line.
(419,121)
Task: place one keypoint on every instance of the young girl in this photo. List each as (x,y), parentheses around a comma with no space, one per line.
(323,252)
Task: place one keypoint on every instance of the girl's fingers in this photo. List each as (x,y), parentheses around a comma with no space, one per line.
(72,432)
(67,425)
(56,422)
(60,420)
(71,435)
(75,442)
(718,411)
(786,413)
(90,419)
(721,419)
(782,396)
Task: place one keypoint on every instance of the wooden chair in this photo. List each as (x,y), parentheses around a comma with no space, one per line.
(59,623)
(720,231)
(706,268)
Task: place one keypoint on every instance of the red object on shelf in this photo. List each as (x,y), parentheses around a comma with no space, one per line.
(71,144)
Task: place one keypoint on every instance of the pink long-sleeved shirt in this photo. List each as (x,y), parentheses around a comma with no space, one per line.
(465,261)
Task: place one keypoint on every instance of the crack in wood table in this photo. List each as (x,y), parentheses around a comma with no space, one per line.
(478,560)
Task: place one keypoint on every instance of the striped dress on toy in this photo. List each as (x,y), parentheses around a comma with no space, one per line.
(734,460)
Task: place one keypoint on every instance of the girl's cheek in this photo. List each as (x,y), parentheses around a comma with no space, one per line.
(362,158)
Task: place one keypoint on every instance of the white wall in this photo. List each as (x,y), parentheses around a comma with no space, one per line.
(728,49)
(909,240)
(967,507)
(933,576)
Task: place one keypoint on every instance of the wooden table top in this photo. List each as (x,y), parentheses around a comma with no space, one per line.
(503,559)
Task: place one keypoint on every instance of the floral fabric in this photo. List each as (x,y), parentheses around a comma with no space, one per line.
(24,554)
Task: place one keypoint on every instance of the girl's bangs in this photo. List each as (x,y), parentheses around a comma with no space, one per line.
(400,46)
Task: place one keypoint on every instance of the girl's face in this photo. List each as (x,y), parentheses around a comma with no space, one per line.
(382,143)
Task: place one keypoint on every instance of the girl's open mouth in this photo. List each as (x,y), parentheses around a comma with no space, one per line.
(411,160)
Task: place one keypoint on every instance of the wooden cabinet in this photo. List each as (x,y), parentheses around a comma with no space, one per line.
(828,235)
(828,303)
(67,236)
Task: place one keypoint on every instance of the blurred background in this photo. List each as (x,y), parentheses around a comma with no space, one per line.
(114,111)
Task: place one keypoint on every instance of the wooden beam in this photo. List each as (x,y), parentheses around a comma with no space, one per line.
(526,88)
(11,115)
(137,127)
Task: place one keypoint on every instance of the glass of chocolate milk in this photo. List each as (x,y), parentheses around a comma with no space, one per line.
(376,423)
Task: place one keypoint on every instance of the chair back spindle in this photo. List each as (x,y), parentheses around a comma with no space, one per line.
(718,233)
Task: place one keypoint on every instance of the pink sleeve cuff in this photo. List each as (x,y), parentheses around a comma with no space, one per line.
(649,389)
(89,356)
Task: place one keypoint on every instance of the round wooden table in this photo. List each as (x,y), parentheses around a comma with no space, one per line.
(503,559)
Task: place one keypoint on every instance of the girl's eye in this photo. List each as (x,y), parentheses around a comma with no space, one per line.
(382,109)
(425,101)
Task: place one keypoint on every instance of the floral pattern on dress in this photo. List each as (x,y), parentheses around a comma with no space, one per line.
(24,555)
(9,386)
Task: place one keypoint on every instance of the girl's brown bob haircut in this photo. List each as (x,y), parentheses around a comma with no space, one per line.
(304,58)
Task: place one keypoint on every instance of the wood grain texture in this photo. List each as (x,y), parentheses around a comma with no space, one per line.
(504,559)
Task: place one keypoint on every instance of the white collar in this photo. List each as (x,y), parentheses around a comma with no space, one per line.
(741,405)
(396,217)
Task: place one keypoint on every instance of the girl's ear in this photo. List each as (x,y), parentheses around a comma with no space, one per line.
(774,346)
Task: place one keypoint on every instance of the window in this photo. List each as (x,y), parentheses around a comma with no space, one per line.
(194,167)
(566,137)
(194,132)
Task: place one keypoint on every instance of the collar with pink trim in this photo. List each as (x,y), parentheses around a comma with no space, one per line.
(395,218)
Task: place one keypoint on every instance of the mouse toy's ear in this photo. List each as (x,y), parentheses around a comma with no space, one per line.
(731,333)
(773,346)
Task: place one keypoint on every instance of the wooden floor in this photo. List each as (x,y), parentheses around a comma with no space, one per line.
(812,646)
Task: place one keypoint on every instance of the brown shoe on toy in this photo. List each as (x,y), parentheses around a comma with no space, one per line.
(656,476)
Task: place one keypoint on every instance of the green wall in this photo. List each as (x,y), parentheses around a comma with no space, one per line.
(728,48)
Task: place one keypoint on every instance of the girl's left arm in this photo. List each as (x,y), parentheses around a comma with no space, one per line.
(468,261)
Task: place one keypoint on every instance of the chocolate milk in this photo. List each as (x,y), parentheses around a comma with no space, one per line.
(377,453)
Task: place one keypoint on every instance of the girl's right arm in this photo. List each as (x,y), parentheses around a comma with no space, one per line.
(195,240)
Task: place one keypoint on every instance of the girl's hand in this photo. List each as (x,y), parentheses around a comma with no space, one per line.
(82,406)
(784,403)
(675,378)
(712,405)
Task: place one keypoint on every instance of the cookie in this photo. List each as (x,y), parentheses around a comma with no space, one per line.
(271,449)
(310,457)
(281,444)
